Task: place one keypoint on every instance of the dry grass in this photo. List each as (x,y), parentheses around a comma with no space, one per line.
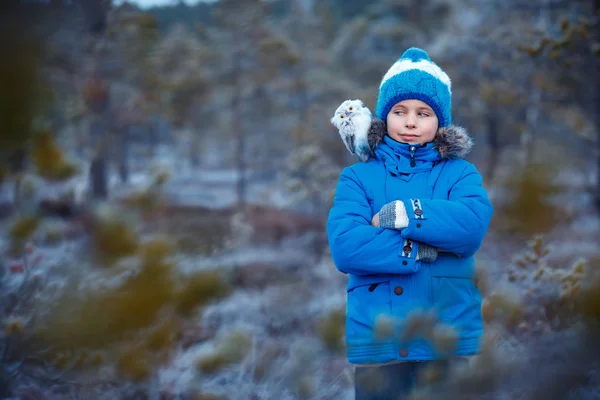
(332,329)
(194,230)
(529,209)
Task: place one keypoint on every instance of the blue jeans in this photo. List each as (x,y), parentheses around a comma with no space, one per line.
(397,381)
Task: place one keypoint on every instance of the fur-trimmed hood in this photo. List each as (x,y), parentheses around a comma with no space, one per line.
(451,142)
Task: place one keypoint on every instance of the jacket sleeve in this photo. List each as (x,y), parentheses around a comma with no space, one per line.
(356,246)
(457,225)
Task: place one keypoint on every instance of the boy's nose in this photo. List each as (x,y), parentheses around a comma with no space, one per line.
(410,121)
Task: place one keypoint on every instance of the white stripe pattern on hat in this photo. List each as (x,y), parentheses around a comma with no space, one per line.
(423,65)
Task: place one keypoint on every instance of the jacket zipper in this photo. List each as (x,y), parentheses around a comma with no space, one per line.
(412,156)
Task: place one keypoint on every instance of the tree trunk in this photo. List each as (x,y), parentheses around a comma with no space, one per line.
(195,147)
(123,154)
(238,128)
(98,167)
(535,98)
(493,144)
(532,117)
(98,178)
(17,166)
(596,74)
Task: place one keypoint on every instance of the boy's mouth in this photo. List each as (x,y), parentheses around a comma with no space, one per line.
(408,136)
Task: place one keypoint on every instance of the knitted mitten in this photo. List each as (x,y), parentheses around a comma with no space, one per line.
(426,253)
(393,215)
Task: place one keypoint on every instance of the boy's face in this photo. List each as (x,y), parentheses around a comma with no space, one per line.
(412,122)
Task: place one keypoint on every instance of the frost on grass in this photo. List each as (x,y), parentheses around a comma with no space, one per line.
(83,321)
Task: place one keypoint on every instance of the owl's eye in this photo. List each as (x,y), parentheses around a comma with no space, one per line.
(350,108)
(341,116)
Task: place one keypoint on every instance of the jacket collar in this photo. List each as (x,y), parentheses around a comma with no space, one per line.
(405,158)
(450,142)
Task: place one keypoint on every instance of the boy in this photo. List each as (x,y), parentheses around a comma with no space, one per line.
(405,227)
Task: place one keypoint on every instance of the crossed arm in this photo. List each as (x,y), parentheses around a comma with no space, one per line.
(456,225)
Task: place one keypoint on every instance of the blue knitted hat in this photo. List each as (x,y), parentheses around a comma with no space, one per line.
(415,76)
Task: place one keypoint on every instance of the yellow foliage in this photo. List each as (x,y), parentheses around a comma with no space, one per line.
(430,375)
(163,336)
(564,25)
(150,200)
(147,21)
(581,289)
(81,360)
(62,360)
(537,246)
(532,51)
(97,359)
(54,235)
(23,228)
(198,290)
(113,238)
(146,202)
(305,387)
(101,318)
(444,339)
(213,363)
(127,315)
(14,327)
(48,158)
(45,153)
(561,43)
(528,210)
(583,32)
(62,172)
(265,360)
(161,178)
(419,323)
(331,330)
(273,50)
(233,349)
(503,308)
(384,326)
(134,365)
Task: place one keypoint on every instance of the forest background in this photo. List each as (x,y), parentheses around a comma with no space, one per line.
(166,174)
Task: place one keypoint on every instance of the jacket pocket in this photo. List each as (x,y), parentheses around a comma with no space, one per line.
(365,304)
(457,302)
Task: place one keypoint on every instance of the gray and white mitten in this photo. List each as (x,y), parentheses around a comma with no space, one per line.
(393,216)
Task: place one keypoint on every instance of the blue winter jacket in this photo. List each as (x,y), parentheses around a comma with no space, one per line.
(384,278)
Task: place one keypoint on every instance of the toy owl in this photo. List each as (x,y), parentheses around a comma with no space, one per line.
(360,131)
